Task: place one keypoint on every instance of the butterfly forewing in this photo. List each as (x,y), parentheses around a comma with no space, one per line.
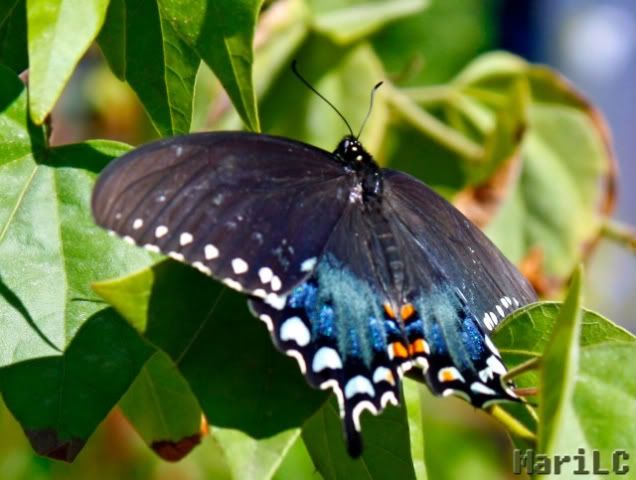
(456,249)
(251,210)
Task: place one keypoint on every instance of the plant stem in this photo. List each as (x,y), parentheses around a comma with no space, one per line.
(533,413)
(620,233)
(513,425)
(432,127)
(430,94)
(524,367)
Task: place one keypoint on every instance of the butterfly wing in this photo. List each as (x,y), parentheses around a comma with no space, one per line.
(251,210)
(492,286)
(336,326)
(455,281)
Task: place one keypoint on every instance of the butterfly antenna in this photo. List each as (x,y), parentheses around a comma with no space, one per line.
(311,87)
(364,122)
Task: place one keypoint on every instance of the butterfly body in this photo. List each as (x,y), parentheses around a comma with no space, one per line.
(360,273)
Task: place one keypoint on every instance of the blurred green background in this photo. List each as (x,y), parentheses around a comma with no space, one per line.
(565,34)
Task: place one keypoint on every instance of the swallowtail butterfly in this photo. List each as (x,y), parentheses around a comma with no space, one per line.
(360,273)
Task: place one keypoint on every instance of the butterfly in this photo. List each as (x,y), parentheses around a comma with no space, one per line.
(360,273)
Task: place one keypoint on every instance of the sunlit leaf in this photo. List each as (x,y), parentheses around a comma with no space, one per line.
(143,49)
(224,353)
(221,33)
(163,409)
(50,252)
(59,33)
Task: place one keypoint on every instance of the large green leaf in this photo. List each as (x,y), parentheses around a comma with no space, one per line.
(143,48)
(554,206)
(50,252)
(59,33)
(559,366)
(221,32)
(598,410)
(386,450)
(163,409)
(223,352)
(50,249)
(412,398)
(59,400)
(13,41)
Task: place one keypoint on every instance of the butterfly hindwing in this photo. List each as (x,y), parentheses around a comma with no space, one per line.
(237,206)
(336,325)
(453,278)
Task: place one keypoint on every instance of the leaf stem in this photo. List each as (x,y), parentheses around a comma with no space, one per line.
(432,127)
(431,94)
(532,364)
(620,233)
(513,425)
(532,411)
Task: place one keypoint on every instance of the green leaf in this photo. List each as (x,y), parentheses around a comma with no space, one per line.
(223,352)
(386,451)
(413,401)
(60,400)
(13,41)
(59,33)
(50,252)
(257,459)
(45,222)
(559,370)
(143,48)
(163,409)
(346,22)
(221,32)
(432,46)
(598,411)
(557,202)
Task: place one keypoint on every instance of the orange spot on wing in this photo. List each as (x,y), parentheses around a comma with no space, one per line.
(389,310)
(447,375)
(399,350)
(406,311)
(419,346)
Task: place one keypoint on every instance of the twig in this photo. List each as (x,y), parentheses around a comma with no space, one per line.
(532,364)
(432,127)
(513,425)
(620,233)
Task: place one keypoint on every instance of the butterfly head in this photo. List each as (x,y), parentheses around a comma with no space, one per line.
(351,152)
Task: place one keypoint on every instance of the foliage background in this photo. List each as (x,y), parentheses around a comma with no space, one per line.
(427,44)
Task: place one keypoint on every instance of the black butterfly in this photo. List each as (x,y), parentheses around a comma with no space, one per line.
(360,273)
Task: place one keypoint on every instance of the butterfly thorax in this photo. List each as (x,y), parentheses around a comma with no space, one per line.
(360,163)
